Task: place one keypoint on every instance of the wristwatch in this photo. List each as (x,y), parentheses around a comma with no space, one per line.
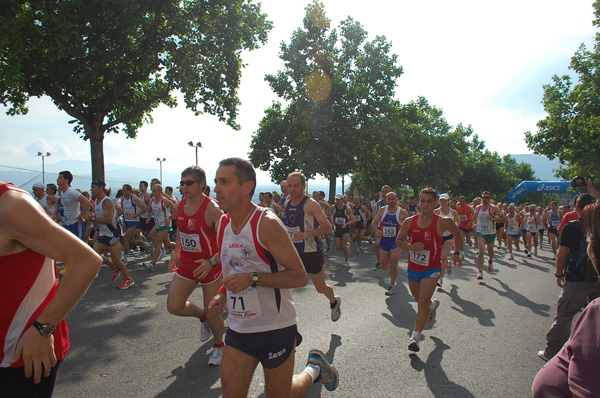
(556,274)
(45,329)
(457,252)
(213,261)
(254,278)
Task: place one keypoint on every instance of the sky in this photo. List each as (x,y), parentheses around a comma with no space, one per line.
(484,63)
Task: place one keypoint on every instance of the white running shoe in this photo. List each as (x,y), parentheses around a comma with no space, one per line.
(435,303)
(390,290)
(205,332)
(336,312)
(346,264)
(413,345)
(216,357)
(329,376)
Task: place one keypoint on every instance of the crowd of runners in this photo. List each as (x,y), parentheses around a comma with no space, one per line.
(269,248)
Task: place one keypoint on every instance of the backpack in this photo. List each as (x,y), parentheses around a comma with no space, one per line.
(581,263)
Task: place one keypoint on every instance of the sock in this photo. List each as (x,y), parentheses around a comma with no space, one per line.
(415,335)
(218,345)
(314,371)
(332,305)
(203,318)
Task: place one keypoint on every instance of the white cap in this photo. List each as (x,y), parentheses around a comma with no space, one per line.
(38,185)
(445,196)
(339,196)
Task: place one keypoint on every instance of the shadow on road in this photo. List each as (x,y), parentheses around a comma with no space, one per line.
(519,299)
(437,379)
(470,309)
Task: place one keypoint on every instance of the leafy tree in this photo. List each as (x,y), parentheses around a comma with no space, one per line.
(109,63)
(333,83)
(571,131)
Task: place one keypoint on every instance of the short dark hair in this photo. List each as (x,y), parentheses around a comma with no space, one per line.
(144,183)
(66,174)
(195,171)
(244,170)
(429,191)
(127,187)
(52,187)
(583,200)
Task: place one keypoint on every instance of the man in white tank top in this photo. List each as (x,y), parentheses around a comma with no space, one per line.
(260,267)
(486,214)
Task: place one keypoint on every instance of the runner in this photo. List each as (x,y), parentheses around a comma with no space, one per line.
(513,230)
(465,214)
(305,223)
(445,211)
(553,219)
(160,210)
(133,208)
(47,202)
(105,217)
(500,229)
(71,200)
(197,253)
(361,215)
(485,216)
(342,218)
(261,268)
(33,332)
(381,202)
(51,191)
(541,213)
(530,224)
(425,232)
(389,218)
(146,223)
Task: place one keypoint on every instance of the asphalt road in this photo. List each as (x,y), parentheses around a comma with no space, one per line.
(484,342)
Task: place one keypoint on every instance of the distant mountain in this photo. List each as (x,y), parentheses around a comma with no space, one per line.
(544,168)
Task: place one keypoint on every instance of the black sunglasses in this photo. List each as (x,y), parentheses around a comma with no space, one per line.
(188,182)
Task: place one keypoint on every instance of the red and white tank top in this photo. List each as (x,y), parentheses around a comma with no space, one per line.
(431,255)
(256,309)
(29,282)
(198,240)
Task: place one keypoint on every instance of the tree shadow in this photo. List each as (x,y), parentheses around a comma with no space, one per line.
(472,310)
(519,299)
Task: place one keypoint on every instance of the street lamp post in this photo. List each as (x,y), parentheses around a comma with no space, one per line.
(197,145)
(161,161)
(43,170)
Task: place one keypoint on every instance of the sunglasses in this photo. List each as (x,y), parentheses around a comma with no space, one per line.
(485,197)
(188,183)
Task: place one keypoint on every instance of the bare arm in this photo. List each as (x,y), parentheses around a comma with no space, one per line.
(278,242)
(23,224)
(86,205)
(312,207)
(562,255)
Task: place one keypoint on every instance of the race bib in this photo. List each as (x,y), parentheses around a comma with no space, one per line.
(357,217)
(190,242)
(462,217)
(291,231)
(339,220)
(485,228)
(244,305)
(420,258)
(389,232)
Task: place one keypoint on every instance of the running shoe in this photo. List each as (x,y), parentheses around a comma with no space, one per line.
(149,266)
(542,355)
(64,269)
(480,275)
(535,251)
(216,356)
(490,266)
(205,332)
(449,269)
(329,376)
(127,283)
(377,267)
(225,314)
(138,254)
(413,345)
(511,257)
(161,255)
(390,290)
(116,274)
(432,311)
(336,311)
(346,264)
(528,254)
(440,282)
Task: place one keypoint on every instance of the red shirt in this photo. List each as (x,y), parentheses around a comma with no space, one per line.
(570,216)
(198,240)
(431,255)
(29,282)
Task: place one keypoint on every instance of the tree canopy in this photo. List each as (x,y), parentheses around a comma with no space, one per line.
(571,131)
(109,63)
(334,83)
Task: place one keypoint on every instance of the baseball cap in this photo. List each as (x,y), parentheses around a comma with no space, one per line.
(339,196)
(38,185)
(445,196)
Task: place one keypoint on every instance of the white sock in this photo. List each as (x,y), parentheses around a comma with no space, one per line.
(415,335)
(314,371)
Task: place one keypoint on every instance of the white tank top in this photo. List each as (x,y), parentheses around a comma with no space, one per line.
(256,309)
(513,225)
(160,212)
(532,223)
(105,229)
(129,209)
(484,224)
(450,216)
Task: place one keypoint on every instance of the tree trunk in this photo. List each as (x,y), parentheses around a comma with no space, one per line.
(332,189)
(97,152)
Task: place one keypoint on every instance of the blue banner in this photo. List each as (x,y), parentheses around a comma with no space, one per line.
(537,187)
